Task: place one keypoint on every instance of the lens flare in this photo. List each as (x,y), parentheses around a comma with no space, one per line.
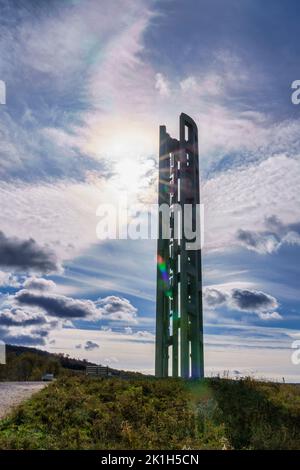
(164,274)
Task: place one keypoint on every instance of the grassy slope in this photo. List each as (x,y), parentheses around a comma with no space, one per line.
(86,413)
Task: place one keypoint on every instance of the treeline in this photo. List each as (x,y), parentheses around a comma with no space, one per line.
(28,364)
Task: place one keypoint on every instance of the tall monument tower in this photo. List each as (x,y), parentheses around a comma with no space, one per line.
(179,323)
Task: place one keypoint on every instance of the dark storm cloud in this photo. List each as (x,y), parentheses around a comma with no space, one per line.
(90,345)
(26,255)
(59,305)
(252,300)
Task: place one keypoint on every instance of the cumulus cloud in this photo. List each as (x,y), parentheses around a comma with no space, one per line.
(38,283)
(31,314)
(21,317)
(243,300)
(270,316)
(9,280)
(252,300)
(23,325)
(108,308)
(26,255)
(91,345)
(117,308)
(23,337)
(58,305)
(214,297)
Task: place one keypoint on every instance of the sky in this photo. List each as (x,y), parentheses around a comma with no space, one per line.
(87,85)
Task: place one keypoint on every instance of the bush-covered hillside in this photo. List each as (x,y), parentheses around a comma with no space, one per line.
(23,363)
(86,413)
(29,364)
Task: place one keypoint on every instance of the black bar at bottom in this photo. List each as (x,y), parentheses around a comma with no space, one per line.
(139,458)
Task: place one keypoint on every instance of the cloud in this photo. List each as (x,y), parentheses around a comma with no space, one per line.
(53,214)
(145,335)
(90,345)
(270,316)
(209,85)
(23,157)
(117,308)
(243,300)
(24,339)
(261,242)
(116,96)
(23,325)
(21,317)
(26,334)
(162,85)
(140,335)
(240,204)
(214,297)
(9,280)
(59,68)
(33,314)
(26,255)
(267,241)
(109,308)
(40,284)
(59,306)
(252,300)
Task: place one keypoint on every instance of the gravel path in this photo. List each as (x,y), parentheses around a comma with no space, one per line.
(13,393)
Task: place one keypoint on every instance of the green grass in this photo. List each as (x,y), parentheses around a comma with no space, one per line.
(87,413)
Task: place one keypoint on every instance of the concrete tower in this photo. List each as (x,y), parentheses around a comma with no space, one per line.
(179,323)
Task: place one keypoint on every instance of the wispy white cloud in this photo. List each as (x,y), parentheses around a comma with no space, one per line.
(162,85)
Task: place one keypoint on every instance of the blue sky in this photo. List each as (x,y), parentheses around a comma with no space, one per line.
(87,84)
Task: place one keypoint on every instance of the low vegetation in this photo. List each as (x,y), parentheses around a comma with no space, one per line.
(78,412)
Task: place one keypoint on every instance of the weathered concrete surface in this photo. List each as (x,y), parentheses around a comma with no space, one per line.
(13,393)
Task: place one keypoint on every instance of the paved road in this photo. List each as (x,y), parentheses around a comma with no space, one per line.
(13,393)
